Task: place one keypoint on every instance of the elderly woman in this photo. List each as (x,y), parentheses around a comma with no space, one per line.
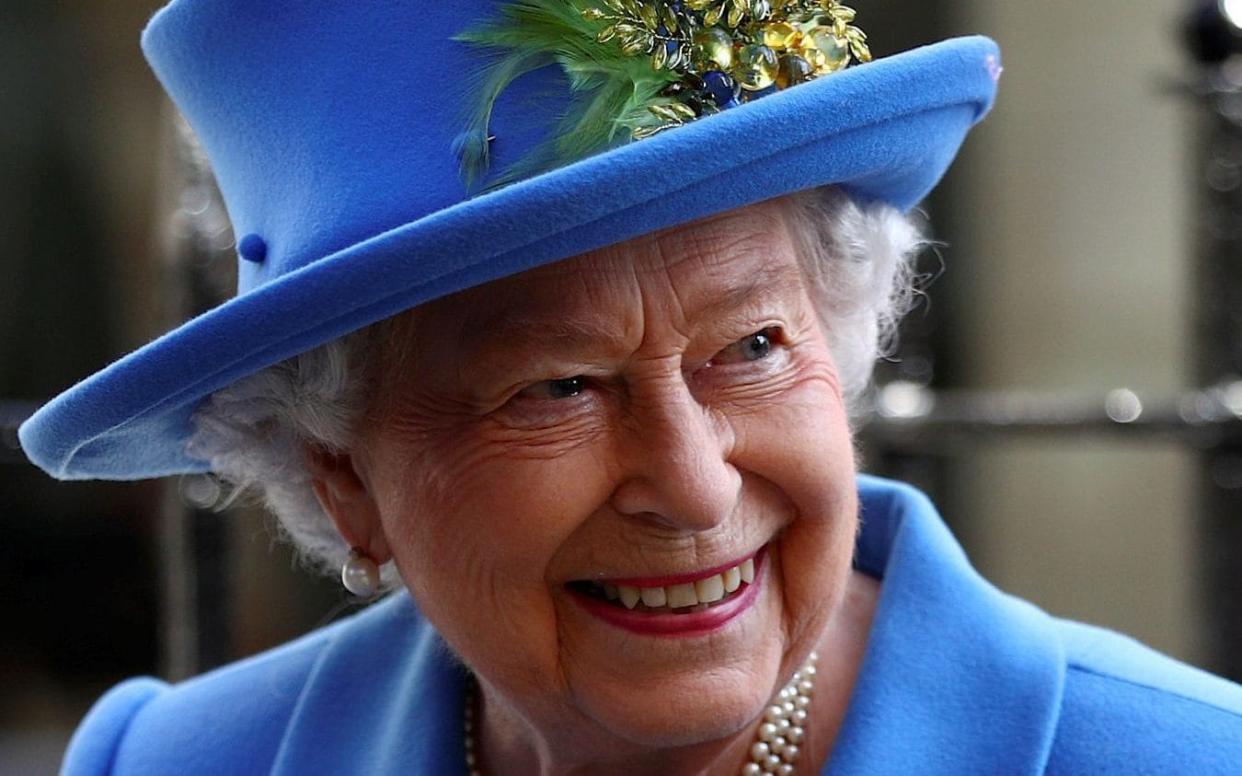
(551,314)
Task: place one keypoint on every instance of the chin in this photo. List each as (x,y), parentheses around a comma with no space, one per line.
(700,707)
(715,686)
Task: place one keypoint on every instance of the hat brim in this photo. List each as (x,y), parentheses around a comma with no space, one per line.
(885,131)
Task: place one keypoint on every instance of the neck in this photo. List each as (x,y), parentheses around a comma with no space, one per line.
(506,738)
(841,653)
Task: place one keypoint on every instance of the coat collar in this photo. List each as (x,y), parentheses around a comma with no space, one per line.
(385,697)
(957,677)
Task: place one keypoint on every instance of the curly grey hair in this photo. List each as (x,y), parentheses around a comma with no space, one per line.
(859,261)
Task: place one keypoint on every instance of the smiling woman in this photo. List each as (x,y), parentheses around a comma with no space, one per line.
(676,458)
(658,421)
(588,430)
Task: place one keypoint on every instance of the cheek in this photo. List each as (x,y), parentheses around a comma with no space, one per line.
(511,511)
(474,530)
(803,447)
(802,442)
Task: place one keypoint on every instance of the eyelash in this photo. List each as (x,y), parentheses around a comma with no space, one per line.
(570,387)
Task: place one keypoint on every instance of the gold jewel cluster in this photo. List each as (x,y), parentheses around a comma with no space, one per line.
(638,67)
(725,52)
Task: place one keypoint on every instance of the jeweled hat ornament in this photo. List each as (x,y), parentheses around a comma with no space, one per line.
(374,155)
(638,67)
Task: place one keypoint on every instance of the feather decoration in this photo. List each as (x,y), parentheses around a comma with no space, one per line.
(638,67)
(609,90)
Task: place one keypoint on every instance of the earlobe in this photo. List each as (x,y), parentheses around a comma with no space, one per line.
(344,496)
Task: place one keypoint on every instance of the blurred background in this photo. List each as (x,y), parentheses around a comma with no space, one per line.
(1069,392)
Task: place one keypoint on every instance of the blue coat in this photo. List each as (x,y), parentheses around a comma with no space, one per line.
(958,678)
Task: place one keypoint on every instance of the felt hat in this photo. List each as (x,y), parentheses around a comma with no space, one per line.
(335,133)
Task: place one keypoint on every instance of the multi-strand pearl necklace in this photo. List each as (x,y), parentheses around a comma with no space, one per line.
(777,743)
(779,739)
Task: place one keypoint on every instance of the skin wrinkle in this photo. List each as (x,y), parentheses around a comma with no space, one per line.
(256,432)
(663,465)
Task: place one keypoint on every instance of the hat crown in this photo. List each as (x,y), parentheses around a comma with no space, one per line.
(327,123)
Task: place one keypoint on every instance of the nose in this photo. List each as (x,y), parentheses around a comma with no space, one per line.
(675,455)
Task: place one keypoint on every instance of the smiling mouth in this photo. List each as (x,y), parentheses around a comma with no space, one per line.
(684,596)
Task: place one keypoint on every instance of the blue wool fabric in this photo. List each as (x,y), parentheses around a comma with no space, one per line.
(958,678)
(332,129)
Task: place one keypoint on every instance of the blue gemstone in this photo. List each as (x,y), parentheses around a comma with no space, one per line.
(252,248)
(719,86)
(733,103)
(670,46)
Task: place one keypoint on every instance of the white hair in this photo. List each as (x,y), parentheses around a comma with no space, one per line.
(255,433)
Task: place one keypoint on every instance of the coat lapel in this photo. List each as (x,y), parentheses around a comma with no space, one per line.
(385,697)
(958,677)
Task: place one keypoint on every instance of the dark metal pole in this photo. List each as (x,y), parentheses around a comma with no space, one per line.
(194,241)
(1215,41)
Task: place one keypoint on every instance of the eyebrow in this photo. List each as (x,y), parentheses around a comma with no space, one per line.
(572,331)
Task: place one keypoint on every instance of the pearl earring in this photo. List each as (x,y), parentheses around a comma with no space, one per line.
(360,574)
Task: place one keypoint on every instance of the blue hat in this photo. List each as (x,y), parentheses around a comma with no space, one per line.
(334,131)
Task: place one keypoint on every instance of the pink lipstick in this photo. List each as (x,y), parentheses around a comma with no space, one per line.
(675,605)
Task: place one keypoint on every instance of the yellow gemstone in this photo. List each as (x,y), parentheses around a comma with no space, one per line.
(780,35)
(756,67)
(715,45)
(811,54)
(834,51)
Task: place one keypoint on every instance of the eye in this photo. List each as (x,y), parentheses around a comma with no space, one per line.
(755,347)
(563,388)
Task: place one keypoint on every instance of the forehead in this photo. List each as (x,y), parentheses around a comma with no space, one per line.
(723,261)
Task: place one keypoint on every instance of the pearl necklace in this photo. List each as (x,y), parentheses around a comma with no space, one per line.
(777,744)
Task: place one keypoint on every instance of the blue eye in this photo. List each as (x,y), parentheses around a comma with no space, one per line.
(755,347)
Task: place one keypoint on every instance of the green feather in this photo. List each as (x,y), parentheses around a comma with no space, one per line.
(609,90)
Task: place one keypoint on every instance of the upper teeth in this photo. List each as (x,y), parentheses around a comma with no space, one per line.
(701,591)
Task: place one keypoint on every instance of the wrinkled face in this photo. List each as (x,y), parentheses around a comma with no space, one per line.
(627,424)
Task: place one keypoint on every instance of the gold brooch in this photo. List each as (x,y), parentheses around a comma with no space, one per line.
(640,67)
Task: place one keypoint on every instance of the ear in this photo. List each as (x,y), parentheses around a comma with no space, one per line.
(345,497)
